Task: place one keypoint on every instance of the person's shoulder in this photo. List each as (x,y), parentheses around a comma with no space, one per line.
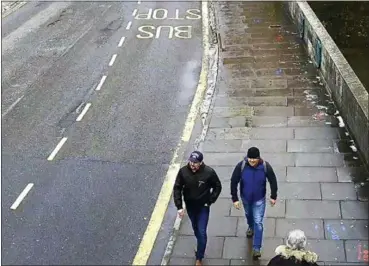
(209,169)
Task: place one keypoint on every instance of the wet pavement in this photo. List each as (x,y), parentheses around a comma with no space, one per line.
(269,95)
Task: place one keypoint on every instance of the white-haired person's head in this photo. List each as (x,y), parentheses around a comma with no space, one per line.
(294,251)
(296,240)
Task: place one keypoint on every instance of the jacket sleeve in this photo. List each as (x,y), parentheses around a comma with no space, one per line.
(272,181)
(177,190)
(235,179)
(217,187)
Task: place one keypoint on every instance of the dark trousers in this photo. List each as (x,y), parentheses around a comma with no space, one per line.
(199,218)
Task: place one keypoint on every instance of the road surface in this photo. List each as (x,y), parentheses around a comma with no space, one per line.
(94,100)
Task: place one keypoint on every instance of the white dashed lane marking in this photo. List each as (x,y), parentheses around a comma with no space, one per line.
(101,83)
(112,59)
(121,41)
(129,25)
(134,12)
(21,196)
(84,111)
(57,148)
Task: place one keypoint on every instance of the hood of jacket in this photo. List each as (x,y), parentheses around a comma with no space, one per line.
(300,255)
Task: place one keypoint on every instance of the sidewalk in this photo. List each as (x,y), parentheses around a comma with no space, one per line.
(268,95)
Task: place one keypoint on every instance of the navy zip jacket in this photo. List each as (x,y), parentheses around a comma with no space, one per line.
(253,182)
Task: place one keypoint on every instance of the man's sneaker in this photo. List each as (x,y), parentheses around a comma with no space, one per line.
(256,254)
(249,233)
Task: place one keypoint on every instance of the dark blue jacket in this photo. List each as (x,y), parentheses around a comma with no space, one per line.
(253,181)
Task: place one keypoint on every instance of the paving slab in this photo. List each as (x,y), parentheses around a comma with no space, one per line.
(299,145)
(316,133)
(224,172)
(221,145)
(221,208)
(307,121)
(310,209)
(338,191)
(346,229)
(266,121)
(287,190)
(251,101)
(352,174)
(273,111)
(328,250)
(241,133)
(354,210)
(357,251)
(226,190)
(227,122)
(270,146)
(311,174)
(313,228)
(320,159)
(185,247)
(240,247)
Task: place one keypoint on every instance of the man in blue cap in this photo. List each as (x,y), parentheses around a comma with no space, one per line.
(200,187)
(252,173)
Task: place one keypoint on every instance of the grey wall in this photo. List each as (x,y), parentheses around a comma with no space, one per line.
(347,91)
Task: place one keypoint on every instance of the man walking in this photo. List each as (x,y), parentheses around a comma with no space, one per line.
(200,186)
(252,174)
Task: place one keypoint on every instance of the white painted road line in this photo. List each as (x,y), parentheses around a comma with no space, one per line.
(129,25)
(121,41)
(21,196)
(84,111)
(134,12)
(57,148)
(112,59)
(12,106)
(101,83)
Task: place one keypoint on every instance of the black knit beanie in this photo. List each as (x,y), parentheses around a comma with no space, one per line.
(253,153)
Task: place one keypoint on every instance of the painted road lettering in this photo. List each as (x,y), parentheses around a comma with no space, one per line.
(162,13)
(167,31)
(181,32)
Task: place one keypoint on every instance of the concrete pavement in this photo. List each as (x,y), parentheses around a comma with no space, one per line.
(91,203)
(269,95)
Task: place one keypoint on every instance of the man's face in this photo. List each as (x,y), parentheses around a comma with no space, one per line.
(253,162)
(194,166)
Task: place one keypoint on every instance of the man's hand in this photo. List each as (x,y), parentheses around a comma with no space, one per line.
(180,213)
(272,202)
(237,205)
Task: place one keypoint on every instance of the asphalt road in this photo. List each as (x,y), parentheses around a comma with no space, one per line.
(92,202)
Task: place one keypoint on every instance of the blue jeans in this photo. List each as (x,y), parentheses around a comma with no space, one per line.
(199,219)
(254,212)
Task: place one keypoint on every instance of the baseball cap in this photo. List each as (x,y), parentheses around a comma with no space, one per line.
(196,157)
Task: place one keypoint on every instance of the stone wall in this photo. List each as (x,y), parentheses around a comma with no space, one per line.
(347,90)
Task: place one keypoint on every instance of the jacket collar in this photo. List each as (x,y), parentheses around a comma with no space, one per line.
(299,255)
